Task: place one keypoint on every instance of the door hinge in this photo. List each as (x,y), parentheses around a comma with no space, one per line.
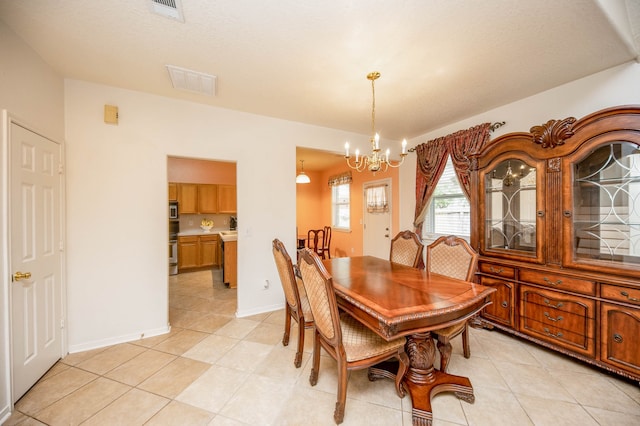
(60,168)
(61,246)
(62,324)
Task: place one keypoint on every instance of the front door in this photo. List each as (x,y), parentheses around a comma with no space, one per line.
(377,224)
(36,287)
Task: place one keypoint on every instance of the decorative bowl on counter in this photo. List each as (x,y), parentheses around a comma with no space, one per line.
(206,225)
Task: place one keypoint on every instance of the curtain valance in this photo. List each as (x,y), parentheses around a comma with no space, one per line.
(340,179)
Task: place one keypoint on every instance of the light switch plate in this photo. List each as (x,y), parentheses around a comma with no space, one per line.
(111,114)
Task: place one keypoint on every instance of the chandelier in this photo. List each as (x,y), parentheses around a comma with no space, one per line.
(376,161)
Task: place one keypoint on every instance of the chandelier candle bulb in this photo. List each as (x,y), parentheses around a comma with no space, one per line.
(346,147)
(404,146)
(357,155)
(377,138)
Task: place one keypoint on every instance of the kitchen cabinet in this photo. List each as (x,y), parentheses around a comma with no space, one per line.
(227,199)
(205,198)
(197,251)
(188,198)
(173,191)
(208,250)
(555,219)
(188,252)
(230,267)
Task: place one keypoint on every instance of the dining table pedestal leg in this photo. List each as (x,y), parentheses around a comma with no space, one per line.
(423,381)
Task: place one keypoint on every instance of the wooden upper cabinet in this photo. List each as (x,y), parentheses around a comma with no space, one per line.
(207,198)
(188,198)
(173,191)
(227,199)
(201,198)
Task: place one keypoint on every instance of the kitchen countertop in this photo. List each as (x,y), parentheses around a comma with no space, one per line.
(214,231)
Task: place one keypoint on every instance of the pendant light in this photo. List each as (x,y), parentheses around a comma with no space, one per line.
(302,176)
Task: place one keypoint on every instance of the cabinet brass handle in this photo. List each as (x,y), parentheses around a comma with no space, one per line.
(631,299)
(504,304)
(617,338)
(548,281)
(559,305)
(550,318)
(496,271)
(550,334)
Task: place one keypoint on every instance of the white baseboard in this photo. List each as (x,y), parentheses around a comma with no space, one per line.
(260,310)
(95,344)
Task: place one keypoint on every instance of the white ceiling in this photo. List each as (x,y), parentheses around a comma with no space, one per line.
(307,60)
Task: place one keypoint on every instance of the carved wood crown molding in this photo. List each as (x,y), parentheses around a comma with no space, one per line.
(553,132)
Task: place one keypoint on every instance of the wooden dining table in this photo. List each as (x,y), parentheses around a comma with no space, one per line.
(395,300)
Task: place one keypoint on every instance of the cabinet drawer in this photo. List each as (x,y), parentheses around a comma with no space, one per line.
(620,294)
(554,318)
(497,270)
(560,282)
(577,342)
(558,303)
(558,318)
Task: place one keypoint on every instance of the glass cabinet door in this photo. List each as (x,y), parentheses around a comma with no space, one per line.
(510,207)
(606,206)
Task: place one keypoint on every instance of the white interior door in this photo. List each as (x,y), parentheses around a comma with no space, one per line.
(376,231)
(36,288)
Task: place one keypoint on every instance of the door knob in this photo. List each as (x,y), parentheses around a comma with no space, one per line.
(21,276)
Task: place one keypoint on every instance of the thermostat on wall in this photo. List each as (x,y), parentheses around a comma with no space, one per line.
(111,114)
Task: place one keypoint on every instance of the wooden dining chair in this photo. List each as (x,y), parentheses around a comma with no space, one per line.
(315,240)
(348,341)
(406,249)
(297,306)
(326,243)
(452,256)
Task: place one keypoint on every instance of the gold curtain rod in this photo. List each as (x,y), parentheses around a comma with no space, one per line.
(495,126)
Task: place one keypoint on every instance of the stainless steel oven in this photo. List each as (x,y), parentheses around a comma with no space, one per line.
(173,257)
(174,228)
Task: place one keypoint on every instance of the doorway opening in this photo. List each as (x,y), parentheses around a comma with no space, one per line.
(202,232)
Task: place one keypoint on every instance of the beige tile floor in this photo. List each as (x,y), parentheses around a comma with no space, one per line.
(215,369)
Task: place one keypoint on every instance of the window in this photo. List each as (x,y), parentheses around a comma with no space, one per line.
(340,207)
(448,212)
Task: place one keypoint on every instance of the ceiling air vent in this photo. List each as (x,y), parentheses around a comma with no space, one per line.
(168,8)
(192,81)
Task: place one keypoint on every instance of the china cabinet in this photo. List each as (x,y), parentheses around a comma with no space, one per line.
(557,226)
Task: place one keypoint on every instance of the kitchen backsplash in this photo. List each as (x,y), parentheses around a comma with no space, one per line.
(190,222)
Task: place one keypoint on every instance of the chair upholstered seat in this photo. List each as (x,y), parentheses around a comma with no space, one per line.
(361,343)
